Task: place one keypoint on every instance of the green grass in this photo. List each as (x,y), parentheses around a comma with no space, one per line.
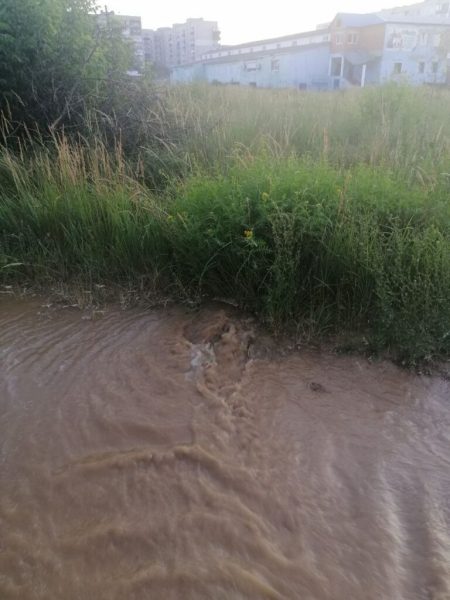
(321,212)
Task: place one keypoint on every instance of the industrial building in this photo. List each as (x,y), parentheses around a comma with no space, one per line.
(300,60)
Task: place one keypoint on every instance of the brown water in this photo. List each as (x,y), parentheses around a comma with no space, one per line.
(165,455)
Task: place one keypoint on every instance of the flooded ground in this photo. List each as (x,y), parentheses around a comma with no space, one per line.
(165,455)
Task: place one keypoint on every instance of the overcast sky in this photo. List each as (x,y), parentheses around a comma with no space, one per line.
(247,20)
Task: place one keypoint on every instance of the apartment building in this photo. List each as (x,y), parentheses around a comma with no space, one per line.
(149,43)
(131,28)
(166,46)
(180,44)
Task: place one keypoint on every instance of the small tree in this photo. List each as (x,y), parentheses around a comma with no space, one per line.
(57,61)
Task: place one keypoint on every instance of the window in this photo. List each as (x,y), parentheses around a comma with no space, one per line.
(436,40)
(398,68)
(251,65)
(352,38)
(435,67)
(442,9)
(275,65)
(421,67)
(339,39)
(423,39)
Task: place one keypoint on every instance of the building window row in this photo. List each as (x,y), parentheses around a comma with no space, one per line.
(352,38)
(398,67)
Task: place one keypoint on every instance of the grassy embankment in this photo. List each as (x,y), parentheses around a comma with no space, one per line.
(326,212)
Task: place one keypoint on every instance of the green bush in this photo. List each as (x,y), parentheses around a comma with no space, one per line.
(292,240)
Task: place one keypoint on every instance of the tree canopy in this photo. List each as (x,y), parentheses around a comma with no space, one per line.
(57,59)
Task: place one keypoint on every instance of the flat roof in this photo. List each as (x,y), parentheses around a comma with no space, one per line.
(253,55)
(283,38)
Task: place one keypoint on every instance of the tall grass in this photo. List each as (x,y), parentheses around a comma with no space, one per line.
(302,216)
(397,127)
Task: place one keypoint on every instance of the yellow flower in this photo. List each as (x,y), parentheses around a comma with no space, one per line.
(265,196)
(248,234)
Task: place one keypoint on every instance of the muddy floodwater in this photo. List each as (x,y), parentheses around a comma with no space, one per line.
(166,454)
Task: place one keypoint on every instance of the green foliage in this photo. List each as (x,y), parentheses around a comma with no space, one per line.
(326,212)
(57,61)
(295,240)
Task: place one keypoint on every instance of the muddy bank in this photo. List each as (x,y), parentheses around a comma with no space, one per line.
(167,454)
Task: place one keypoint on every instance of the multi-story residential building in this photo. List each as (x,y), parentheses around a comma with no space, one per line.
(162,39)
(131,28)
(182,43)
(167,46)
(353,50)
(149,42)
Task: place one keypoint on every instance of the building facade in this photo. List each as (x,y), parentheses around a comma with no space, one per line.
(300,60)
(180,44)
(378,48)
(352,50)
(167,46)
(131,29)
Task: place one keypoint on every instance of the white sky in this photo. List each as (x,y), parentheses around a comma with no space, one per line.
(246,20)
